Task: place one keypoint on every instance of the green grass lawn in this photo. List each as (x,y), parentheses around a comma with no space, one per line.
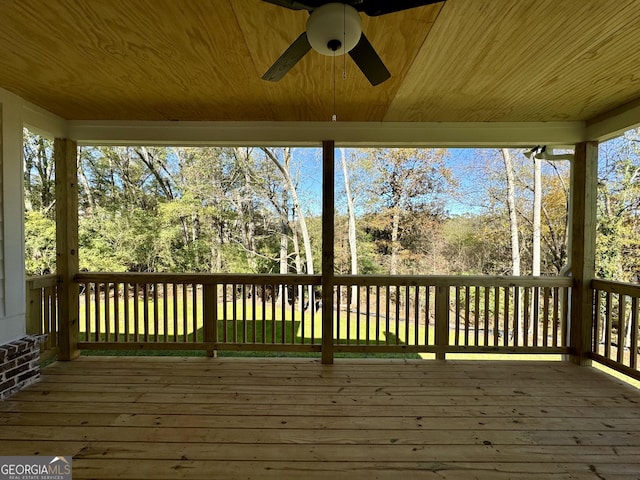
(182,322)
(178,323)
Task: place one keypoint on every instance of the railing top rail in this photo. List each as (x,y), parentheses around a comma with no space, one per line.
(631,289)
(453,281)
(199,278)
(42,281)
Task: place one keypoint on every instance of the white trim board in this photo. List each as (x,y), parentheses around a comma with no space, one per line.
(345,134)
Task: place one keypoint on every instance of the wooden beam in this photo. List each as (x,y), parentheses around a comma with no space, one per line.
(584,178)
(614,123)
(65,152)
(344,134)
(328,214)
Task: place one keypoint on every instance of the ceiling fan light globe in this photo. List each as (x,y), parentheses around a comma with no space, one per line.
(334,21)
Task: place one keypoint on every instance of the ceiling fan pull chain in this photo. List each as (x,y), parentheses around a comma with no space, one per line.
(334,117)
(344,37)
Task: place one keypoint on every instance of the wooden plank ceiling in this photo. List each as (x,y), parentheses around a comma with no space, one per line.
(456,61)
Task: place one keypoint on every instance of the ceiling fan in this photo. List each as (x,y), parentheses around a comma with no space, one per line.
(335,28)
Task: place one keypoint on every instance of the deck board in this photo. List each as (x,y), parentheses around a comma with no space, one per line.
(161,417)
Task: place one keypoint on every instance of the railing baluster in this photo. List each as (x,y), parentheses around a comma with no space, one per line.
(387,312)
(145,312)
(622,311)
(525,315)
(377,314)
(116,311)
(126,310)
(505,333)
(254,332)
(368,314)
(487,292)
(397,300)
(564,321)
(427,314)
(107,311)
(350,300)
(97,312)
(516,316)
(174,305)
(185,309)
(633,346)
(545,317)
(264,313)
(274,294)
(536,316)
(136,313)
(407,314)
(607,326)
(165,312)
(476,333)
(45,310)
(556,317)
(496,315)
(156,319)
(195,311)
(292,326)
(456,340)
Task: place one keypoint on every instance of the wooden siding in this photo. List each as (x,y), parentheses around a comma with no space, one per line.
(359,419)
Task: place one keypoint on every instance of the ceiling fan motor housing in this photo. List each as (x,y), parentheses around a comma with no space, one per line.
(334,29)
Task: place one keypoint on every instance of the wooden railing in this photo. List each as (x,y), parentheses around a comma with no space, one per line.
(444,314)
(615,326)
(42,312)
(132,311)
(401,314)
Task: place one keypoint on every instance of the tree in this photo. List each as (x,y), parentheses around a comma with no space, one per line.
(353,247)
(283,164)
(513,217)
(39,174)
(537,209)
(617,245)
(407,185)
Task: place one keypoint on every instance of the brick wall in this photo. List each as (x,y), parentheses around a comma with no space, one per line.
(19,364)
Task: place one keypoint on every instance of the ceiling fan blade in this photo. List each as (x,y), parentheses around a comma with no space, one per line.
(288,59)
(369,62)
(295,4)
(374,8)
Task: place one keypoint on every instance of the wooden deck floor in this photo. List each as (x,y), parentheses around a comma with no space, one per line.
(198,418)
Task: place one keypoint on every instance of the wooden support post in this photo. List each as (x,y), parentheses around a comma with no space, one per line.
(65,152)
(210,316)
(584,179)
(328,214)
(442,319)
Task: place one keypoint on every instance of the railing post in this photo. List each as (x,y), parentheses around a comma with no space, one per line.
(584,178)
(34,308)
(442,319)
(210,316)
(65,152)
(328,167)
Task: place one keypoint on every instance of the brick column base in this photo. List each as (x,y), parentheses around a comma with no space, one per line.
(19,364)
